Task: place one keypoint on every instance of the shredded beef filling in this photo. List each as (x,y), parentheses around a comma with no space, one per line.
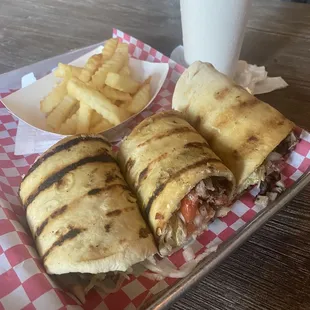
(272,186)
(197,209)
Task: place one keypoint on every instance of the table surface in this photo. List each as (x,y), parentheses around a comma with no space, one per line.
(272,269)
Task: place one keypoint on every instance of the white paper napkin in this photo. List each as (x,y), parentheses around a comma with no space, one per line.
(30,140)
(254,78)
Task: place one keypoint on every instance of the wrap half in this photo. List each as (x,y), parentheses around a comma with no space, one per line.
(250,136)
(81,213)
(180,183)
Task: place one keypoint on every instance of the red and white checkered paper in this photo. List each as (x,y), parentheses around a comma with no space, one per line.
(23,281)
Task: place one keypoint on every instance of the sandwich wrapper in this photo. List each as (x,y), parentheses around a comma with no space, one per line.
(23,282)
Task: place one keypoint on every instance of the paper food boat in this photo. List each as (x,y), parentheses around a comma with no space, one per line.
(25,103)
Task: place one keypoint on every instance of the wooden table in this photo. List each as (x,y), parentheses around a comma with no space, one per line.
(272,270)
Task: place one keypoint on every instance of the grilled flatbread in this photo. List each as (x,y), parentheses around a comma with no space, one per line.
(81,213)
(241,129)
(180,183)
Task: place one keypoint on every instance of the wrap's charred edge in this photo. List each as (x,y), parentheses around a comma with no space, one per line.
(104,157)
(64,146)
(175,176)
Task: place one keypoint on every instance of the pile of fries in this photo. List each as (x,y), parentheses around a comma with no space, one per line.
(97,97)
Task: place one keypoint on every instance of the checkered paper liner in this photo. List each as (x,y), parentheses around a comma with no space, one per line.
(23,281)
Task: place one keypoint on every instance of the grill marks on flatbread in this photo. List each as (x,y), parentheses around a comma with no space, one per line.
(241,129)
(64,147)
(70,235)
(176,129)
(80,210)
(241,107)
(59,157)
(68,207)
(144,173)
(163,158)
(187,149)
(147,122)
(58,175)
(54,214)
(168,133)
(67,210)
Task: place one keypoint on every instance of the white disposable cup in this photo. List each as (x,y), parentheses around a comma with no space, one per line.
(213,31)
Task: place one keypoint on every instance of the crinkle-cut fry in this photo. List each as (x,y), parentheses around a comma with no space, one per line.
(101,126)
(140,99)
(61,112)
(115,94)
(84,115)
(123,83)
(95,119)
(95,100)
(69,126)
(125,71)
(119,102)
(54,97)
(67,71)
(74,109)
(109,49)
(122,48)
(91,66)
(147,81)
(114,64)
(123,104)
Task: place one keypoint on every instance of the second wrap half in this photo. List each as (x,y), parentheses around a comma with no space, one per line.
(180,183)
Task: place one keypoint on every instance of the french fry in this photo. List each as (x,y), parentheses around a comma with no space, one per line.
(54,97)
(109,49)
(91,66)
(147,81)
(125,71)
(95,100)
(69,126)
(96,97)
(112,65)
(140,99)
(122,48)
(115,94)
(84,115)
(95,119)
(67,71)
(122,82)
(61,112)
(101,126)
(119,102)
(74,110)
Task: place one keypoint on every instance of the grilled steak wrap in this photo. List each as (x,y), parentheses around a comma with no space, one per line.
(250,136)
(80,211)
(180,183)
